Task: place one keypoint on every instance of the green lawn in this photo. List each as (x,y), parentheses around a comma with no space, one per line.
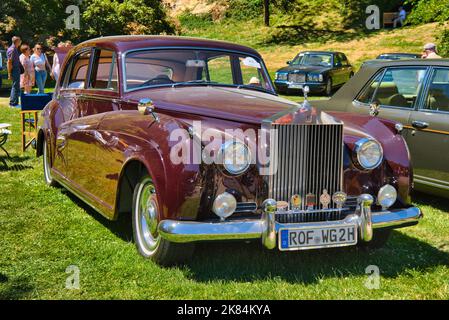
(44,230)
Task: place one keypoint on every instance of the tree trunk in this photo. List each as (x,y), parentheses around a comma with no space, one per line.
(266,4)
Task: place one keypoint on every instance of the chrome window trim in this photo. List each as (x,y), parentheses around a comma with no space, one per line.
(125,53)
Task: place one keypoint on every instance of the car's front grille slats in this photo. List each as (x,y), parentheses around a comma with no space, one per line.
(297,77)
(309,159)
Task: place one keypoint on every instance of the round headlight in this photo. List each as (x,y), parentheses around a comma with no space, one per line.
(236,157)
(369,153)
(387,196)
(224,205)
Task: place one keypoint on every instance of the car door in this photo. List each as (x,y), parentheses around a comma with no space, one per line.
(337,71)
(429,137)
(102,98)
(347,68)
(395,90)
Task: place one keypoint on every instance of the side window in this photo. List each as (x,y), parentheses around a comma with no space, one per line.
(79,68)
(438,95)
(337,61)
(344,60)
(399,87)
(220,70)
(105,74)
(368,92)
(251,73)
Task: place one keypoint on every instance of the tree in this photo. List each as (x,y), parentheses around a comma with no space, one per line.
(266,5)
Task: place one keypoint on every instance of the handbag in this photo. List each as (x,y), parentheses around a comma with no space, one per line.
(22,69)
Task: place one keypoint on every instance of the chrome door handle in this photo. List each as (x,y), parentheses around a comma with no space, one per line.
(420,124)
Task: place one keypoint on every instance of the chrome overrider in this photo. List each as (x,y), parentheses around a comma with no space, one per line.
(267,228)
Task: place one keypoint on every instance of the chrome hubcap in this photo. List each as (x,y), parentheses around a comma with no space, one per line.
(46,163)
(147,217)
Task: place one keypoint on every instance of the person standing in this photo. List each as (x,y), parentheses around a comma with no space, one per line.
(40,62)
(27,78)
(14,70)
(430,51)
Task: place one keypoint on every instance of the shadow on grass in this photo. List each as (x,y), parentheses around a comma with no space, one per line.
(122,228)
(15,288)
(17,163)
(436,202)
(242,263)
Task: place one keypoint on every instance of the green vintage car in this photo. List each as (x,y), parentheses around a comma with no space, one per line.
(416,94)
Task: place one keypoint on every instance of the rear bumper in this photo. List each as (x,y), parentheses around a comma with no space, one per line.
(267,228)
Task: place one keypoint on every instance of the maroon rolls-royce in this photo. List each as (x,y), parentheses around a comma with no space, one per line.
(189,138)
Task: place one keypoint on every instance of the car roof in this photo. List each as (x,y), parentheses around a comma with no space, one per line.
(326,52)
(124,43)
(377,64)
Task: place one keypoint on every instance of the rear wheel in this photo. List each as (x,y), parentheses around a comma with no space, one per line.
(47,164)
(145,220)
(380,238)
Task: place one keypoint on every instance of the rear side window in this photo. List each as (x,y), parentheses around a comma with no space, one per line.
(438,95)
(105,74)
(399,87)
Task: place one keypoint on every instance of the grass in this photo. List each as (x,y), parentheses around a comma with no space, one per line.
(44,230)
(357,46)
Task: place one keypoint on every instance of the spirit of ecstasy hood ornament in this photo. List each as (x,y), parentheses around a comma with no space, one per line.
(306,104)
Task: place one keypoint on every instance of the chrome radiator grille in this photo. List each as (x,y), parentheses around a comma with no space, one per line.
(297,77)
(309,158)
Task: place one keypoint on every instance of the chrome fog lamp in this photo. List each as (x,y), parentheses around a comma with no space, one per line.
(235,157)
(224,205)
(369,153)
(387,196)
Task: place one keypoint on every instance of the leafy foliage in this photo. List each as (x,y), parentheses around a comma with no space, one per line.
(443,46)
(37,20)
(425,11)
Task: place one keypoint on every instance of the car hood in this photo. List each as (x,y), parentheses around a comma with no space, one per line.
(317,69)
(233,104)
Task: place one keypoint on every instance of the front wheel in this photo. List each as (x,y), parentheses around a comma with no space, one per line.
(145,220)
(47,165)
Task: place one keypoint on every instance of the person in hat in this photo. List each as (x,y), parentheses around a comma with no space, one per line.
(430,52)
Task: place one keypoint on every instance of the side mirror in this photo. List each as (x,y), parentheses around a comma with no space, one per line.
(146,107)
(289,61)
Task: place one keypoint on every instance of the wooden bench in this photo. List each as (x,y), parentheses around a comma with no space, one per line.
(388,18)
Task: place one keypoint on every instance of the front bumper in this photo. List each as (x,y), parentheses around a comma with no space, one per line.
(267,228)
(313,86)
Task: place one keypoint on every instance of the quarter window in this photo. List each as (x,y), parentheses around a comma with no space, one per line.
(438,94)
(78,74)
(399,87)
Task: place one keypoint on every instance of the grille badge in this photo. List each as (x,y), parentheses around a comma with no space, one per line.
(310,201)
(339,198)
(296,202)
(282,205)
(325,199)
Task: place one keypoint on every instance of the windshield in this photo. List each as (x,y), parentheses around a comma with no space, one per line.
(313,59)
(173,67)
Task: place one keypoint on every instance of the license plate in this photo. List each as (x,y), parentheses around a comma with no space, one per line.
(317,237)
(295,86)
